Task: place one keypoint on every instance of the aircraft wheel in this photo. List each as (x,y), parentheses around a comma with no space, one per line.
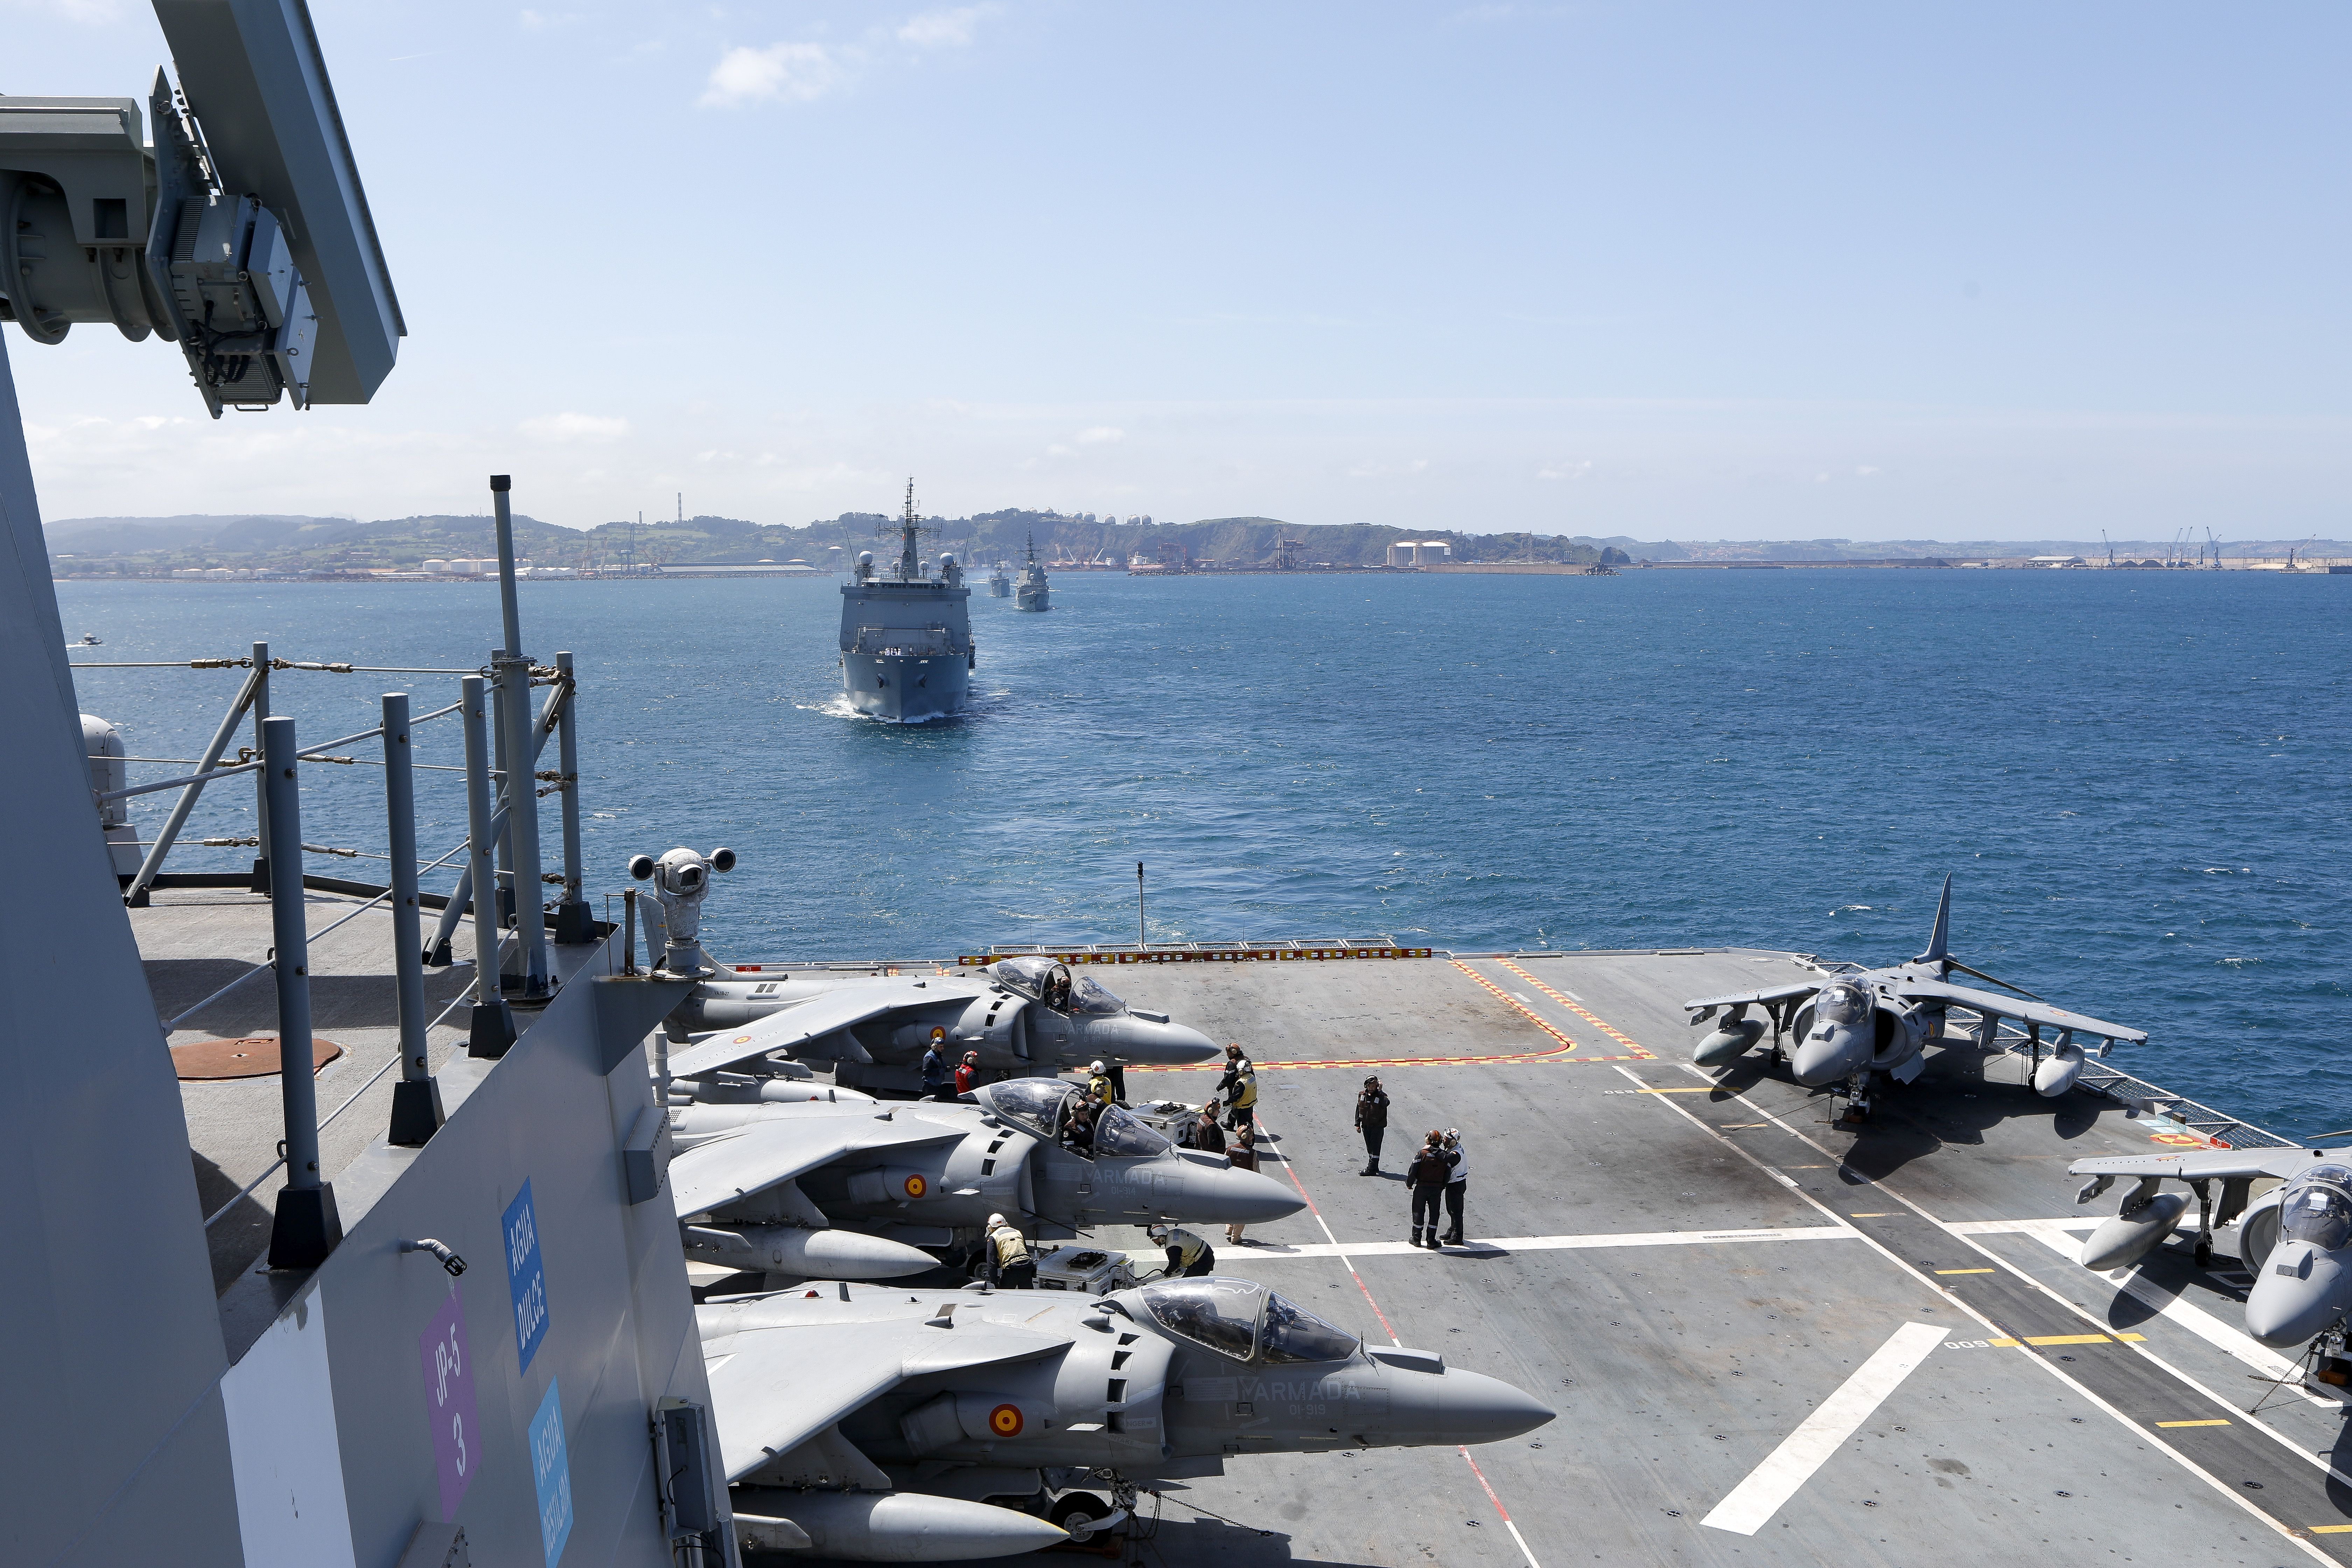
(2204,1252)
(1077,1514)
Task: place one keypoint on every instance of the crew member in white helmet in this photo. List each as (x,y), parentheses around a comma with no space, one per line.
(1006,1261)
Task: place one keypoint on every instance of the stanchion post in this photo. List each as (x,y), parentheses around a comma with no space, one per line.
(492,1029)
(307,1226)
(416,1097)
(574,922)
(522,828)
(261,883)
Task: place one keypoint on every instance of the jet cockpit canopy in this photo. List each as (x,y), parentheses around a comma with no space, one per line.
(1034,1103)
(2318,1207)
(1244,1320)
(1843,1002)
(1052,982)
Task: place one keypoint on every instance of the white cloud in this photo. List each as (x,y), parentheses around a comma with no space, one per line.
(793,72)
(1100,435)
(1583,470)
(946,29)
(576,428)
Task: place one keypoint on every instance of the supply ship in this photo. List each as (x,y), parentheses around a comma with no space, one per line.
(906,653)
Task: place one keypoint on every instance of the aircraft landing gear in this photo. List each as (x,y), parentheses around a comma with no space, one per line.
(1857,1100)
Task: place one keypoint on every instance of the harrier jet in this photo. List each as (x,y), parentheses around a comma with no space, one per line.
(850,1191)
(2297,1241)
(1851,1027)
(1021,1014)
(878,1424)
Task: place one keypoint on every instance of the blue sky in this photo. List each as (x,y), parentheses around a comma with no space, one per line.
(1670,271)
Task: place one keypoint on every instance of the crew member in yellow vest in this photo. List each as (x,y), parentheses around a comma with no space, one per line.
(1098,1084)
(1238,1087)
(1007,1262)
(1187,1255)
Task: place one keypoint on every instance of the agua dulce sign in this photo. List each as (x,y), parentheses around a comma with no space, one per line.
(525,1277)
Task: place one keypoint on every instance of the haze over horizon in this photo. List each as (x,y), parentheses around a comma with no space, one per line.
(1689,271)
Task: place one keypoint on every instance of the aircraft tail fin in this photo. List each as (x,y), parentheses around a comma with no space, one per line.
(1939,940)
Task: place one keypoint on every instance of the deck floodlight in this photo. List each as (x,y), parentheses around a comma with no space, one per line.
(240,232)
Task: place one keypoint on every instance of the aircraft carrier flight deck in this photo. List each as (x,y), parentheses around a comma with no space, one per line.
(1770,1337)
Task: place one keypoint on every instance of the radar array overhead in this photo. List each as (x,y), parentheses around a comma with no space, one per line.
(241,232)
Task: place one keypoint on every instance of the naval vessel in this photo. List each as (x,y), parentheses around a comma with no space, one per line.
(1000,583)
(907,651)
(1032,592)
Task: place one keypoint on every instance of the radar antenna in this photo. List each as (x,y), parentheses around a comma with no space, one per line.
(909,529)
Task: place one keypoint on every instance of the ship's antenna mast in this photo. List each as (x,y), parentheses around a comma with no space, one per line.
(909,529)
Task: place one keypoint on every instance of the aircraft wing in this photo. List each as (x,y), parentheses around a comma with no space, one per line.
(797,1026)
(1749,998)
(736,1164)
(774,1387)
(2199,1164)
(2018,1007)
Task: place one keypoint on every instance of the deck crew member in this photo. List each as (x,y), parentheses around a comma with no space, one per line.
(1427,1176)
(938,1080)
(1457,1188)
(1187,1255)
(1007,1262)
(1371,1121)
(967,1073)
(1244,1155)
(1098,1083)
(1238,1087)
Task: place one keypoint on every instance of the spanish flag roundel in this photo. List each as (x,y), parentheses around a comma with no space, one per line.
(1005,1421)
(916,1186)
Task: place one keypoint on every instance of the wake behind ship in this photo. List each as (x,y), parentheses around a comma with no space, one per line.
(906,653)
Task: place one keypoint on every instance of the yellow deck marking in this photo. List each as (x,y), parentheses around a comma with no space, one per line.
(2002,1344)
(1581,1011)
(2067,1339)
(1969,1272)
(1879,1214)
(2330,1528)
(2192,1423)
(1705,1088)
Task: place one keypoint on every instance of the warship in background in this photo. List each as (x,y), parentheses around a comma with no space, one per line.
(906,653)
(1032,592)
(1000,583)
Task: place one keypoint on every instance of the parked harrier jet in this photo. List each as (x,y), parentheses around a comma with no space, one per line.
(879,1424)
(789,1188)
(2297,1241)
(1021,1014)
(1852,1027)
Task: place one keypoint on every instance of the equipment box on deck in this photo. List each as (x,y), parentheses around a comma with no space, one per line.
(1092,1269)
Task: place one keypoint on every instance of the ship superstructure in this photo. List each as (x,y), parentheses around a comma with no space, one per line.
(906,653)
(1032,592)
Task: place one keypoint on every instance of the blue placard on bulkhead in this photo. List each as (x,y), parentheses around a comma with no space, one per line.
(550,1472)
(525,1275)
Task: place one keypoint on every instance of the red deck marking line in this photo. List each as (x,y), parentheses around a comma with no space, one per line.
(1515,1006)
(1349,1263)
(1580,1011)
(1557,1054)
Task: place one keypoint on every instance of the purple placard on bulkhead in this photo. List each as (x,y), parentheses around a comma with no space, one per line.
(449,1402)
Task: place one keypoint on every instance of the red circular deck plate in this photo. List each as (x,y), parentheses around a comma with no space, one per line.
(255,1056)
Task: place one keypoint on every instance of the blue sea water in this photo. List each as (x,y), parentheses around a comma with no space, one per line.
(2138,780)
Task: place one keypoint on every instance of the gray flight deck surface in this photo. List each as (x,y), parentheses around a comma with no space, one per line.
(1680,1365)
(1685,1276)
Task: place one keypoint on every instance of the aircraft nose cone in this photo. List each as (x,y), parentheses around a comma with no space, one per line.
(1472,1408)
(1821,1058)
(2296,1295)
(1242,1197)
(1146,1044)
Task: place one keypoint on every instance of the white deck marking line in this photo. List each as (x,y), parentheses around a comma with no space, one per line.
(1507,1244)
(2230,1342)
(2018,1226)
(2047,1365)
(1337,1250)
(2137,1347)
(1754,1501)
